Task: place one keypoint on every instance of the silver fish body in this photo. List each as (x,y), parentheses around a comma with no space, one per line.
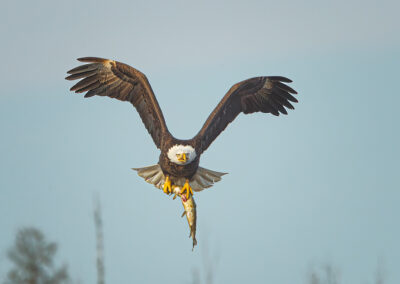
(190,211)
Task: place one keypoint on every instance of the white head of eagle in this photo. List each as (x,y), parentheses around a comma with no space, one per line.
(181,154)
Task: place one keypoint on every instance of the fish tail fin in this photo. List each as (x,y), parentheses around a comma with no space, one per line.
(194,242)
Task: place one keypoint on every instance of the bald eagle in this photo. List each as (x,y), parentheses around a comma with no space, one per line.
(179,159)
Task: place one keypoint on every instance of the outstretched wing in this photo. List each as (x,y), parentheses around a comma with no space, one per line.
(259,94)
(104,77)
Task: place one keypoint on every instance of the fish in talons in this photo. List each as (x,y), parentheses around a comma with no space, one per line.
(190,211)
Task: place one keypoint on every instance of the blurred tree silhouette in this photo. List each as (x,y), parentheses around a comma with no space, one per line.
(327,274)
(99,241)
(32,257)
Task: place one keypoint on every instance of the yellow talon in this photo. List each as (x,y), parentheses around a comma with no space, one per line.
(186,187)
(167,186)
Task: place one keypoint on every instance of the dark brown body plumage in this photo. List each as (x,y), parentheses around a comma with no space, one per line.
(175,170)
(104,77)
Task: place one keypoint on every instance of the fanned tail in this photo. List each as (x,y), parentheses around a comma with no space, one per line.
(152,174)
(204,178)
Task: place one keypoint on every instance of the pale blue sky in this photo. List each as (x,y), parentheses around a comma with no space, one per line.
(320,184)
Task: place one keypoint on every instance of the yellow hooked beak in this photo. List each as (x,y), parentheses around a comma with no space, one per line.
(182,158)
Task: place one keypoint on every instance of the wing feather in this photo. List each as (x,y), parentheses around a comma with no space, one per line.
(104,77)
(84,74)
(259,94)
(82,69)
(284,102)
(84,83)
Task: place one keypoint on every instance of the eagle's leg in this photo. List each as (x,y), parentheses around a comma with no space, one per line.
(167,185)
(186,187)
